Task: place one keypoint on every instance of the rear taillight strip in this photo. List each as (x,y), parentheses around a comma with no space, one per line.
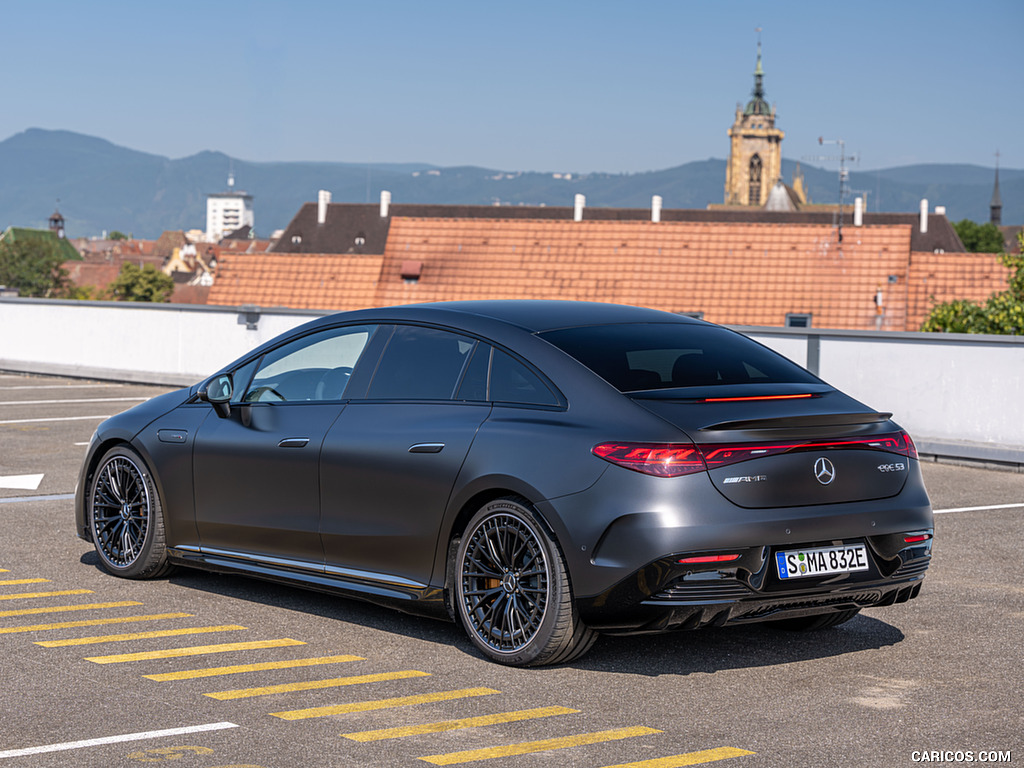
(677,459)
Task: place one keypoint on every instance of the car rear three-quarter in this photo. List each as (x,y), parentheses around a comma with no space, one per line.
(780,498)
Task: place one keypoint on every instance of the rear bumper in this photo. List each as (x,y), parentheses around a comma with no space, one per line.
(667,596)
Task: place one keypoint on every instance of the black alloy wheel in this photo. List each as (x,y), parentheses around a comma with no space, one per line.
(126,517)
(512,591)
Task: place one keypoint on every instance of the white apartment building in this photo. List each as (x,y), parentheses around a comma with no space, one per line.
(226,212)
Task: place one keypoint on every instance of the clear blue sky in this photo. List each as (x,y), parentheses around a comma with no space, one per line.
(587,85)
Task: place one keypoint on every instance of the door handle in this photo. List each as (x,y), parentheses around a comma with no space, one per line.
(293,442)
(426,448)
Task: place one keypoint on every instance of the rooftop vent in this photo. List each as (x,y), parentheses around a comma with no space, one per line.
(579,204)
(411,271)
(323,200)
(656,203)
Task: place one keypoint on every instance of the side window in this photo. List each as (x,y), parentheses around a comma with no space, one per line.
(420,364)
(314,368)
(474,382)
(513,382)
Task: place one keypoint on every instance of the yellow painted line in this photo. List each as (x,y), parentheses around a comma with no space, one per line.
(63,608)
(454,725)
(239,668)
(690,758)
(366,706)
(4,570)
(27,595)
(12,582)
(91,622)
(312,685)
(196,650)
(529,747)
(138,636)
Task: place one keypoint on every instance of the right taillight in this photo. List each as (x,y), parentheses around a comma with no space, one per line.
(660,459)
(909,445)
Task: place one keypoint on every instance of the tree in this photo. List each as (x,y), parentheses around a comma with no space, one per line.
(1002,312)
(117,235)
(979,238)
(141,284)
(32,265)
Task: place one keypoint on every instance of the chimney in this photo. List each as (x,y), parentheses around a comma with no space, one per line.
(656,208)
(385,203)
(322,201)
(924,217)
(940,210)
(858,212)
(579,204)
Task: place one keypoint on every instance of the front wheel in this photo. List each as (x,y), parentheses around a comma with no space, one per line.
(126,516)
(512,590)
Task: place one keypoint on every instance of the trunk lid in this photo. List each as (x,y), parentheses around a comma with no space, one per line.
(788,445)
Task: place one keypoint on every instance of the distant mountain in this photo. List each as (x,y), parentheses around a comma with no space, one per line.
(102,187)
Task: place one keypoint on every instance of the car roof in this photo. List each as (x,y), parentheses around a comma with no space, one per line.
(538,316)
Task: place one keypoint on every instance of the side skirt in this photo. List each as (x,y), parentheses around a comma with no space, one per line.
(381,589)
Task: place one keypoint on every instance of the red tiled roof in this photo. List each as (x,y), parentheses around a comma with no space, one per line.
(314,281)
(940,277)
(734,272)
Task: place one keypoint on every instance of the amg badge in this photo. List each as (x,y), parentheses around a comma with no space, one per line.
(747,479)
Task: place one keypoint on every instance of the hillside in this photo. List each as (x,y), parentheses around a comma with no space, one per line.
(102,187)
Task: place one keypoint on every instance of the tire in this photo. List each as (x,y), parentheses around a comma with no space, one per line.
(511,589)
(126,516)
(814,623)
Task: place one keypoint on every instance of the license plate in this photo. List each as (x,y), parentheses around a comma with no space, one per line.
(821,561)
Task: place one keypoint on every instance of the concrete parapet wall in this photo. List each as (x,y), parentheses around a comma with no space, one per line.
(958,395)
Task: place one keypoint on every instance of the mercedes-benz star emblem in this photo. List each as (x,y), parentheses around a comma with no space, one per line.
(824,471)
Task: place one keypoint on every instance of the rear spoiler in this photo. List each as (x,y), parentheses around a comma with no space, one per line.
(800,422)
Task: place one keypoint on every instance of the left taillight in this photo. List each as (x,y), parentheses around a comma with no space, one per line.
(659,459)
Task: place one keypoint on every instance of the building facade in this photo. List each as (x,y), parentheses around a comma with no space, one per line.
(227,212)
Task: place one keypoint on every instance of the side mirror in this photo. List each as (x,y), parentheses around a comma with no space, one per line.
(217,393)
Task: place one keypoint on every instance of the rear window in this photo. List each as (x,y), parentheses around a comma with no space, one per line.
(642,356)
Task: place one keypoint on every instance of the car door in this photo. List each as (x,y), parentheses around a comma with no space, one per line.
(257,470)
(390,460)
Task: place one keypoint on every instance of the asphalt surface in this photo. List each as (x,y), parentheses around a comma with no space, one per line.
(941,675)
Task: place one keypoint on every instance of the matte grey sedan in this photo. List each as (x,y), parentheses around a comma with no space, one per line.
(539,472)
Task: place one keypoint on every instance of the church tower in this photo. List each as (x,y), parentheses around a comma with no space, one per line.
(755,152)
(995,208)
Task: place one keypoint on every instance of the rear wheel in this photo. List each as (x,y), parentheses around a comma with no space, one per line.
(126,516)
(512,591)
(814,623)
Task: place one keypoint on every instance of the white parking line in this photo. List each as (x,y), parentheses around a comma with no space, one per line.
(56,418)
(65,386)
(116,739)
(50,497)
(976,509)
(75,400)
(21,482)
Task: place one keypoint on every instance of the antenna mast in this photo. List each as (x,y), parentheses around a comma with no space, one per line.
(844,175)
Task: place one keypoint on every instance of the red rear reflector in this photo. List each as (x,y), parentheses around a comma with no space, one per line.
(660,459)
(708,559)
(754,397)
(916,538)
